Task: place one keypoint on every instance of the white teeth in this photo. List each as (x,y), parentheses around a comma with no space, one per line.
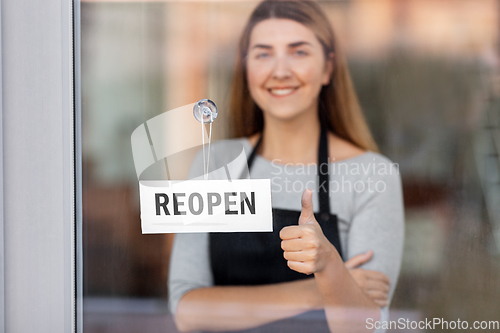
(281,92)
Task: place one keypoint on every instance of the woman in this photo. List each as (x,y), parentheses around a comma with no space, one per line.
(294,106)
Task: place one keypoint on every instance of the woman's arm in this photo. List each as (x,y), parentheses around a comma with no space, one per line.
(237,308)
(308,251)
(233,308)
(347,308)
(198,305)
(375,284)
(378,225)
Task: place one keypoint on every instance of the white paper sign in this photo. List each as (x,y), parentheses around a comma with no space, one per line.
(206,206)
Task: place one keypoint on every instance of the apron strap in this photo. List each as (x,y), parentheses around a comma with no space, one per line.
(251,158)
(323,171)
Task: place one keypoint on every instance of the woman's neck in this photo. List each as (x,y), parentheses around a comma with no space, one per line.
(292,141)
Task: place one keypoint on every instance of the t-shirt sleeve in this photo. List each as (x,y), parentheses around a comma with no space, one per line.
(378,223)
(189,266)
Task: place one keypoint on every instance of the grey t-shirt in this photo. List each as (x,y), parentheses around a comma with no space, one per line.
(365,194)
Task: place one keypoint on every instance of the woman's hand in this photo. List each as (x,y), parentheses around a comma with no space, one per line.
(374,284)
(306,248)
(307,251)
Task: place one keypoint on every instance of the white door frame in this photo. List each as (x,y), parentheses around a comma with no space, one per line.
(39,148)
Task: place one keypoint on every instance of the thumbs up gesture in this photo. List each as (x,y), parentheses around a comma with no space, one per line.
(306,248)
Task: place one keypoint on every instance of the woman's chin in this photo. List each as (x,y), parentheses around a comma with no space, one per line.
(286,116)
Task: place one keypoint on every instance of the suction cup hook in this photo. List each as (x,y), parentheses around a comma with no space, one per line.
(205,111)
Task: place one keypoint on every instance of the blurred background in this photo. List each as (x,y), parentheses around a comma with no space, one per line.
(426,73)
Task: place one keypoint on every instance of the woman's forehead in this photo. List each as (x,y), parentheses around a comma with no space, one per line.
(281,32)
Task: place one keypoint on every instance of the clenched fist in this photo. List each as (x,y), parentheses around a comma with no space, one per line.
(306,248)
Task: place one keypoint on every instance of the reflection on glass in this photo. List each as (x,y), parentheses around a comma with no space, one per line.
(426,76)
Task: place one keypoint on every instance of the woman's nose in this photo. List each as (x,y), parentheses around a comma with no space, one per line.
(281,68)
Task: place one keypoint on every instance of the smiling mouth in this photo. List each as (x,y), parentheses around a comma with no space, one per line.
(282,91)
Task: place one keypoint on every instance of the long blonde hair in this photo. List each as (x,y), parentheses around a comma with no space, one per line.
(338,107)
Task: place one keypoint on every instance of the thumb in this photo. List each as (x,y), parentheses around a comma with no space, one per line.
(307,213)
(359,259)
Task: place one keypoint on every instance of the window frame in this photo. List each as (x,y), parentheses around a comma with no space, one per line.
(39,170)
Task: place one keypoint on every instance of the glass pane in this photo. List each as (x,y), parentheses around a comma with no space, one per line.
(426,75)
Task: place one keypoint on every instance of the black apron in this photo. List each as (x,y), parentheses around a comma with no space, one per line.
(256,258)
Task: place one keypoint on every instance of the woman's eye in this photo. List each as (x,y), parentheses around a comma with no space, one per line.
(301,53)
(262,55)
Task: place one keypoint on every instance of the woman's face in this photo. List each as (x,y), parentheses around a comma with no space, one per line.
(286,68)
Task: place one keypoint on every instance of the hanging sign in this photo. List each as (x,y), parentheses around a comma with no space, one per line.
(217,201)
(206,206)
